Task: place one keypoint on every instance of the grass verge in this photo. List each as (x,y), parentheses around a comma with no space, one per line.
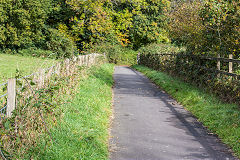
(221,118)
(82,132)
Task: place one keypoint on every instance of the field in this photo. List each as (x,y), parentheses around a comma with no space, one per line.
(26,65)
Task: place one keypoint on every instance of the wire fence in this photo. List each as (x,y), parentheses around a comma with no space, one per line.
(39,77)
(3,101)
(223,66)
(3,112)
(220,76)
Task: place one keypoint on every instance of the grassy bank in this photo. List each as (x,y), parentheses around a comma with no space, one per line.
(221,118)
(82,132)
(27,65)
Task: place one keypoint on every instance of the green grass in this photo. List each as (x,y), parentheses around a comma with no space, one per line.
(83,130)
(221,118)
(27,65)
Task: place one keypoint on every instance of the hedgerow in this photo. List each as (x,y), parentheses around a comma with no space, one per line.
(193,69)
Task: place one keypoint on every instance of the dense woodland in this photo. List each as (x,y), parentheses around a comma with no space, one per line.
(61,28)
(66,27)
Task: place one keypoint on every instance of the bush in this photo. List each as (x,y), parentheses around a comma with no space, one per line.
(185,26)
(22,22)
(191,68)
(207,26)
(155,48)
(116,53)
(36,52)
(56,45)
(59,44)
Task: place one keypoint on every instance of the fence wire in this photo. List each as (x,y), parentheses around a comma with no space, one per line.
(3,109)
(4,84)
(3,95)
(3,112)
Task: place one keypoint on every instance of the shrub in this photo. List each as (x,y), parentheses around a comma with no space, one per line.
(116,53)
(194,69)
(56,45)
(36,52)
(160,48)
(221,19)
(59,44)
(207,26)
(22,22)
(185,26)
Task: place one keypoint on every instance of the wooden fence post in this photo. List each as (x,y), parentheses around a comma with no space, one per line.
(67,61)
(11,99)
(230,64)
(87,60)
(78,61)
(218,63)
(41,78)
(104,55)
(49,74)
(74,59)
(91,59)
(58,68)
(138,58)
(73,68)
(81,60)
(95,58)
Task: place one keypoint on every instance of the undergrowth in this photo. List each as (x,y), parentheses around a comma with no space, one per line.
(116,53)
(82,131)
(221,118)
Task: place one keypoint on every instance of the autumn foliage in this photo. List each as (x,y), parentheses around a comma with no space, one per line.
(210,26)
(66,27)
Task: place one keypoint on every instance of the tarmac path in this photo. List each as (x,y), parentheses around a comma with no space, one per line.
(149,125)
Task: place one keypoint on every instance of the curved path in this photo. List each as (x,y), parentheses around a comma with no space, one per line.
(149,125)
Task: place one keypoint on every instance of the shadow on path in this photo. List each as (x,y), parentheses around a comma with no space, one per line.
(149,125)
